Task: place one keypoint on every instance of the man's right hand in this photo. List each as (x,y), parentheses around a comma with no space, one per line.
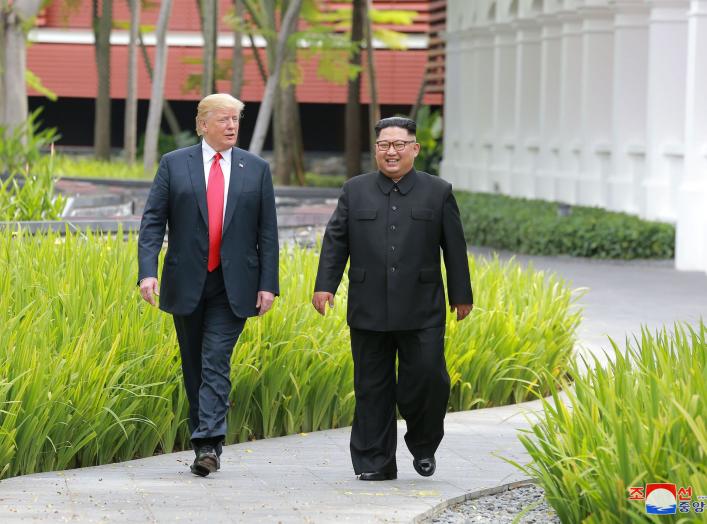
(320,299)
(149,288)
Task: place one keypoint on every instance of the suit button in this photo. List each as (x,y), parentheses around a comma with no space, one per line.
(205,259)
(394,208)
(392,248)
(392,269)
(392,228)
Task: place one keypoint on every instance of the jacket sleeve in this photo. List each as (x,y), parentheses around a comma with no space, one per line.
(268,246)
(153,224)
(335,247)
(455,255)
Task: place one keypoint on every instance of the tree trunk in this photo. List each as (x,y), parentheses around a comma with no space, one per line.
(353,99)
(420,97)
(289,24)
(237,62)
(154,114)
(293,127)
(101,30)
(13,87)
(281,142)
(209,17)
(374,113)
(168,114)
(130,136)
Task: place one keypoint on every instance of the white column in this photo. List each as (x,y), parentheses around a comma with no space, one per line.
(571,88)
(691,246)
(550,72)
(450,167)
(483,105)
(596,103)
(630,78)
(527,105)
(667,70)
(503,107)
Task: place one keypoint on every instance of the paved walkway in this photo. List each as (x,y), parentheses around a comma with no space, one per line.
(308,478)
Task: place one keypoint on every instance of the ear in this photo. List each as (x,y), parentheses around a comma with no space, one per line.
(416,148)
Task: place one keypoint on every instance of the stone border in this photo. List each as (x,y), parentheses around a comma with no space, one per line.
(434,511)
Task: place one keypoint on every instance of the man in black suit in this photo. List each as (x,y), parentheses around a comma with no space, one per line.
(221,265)
(392,224)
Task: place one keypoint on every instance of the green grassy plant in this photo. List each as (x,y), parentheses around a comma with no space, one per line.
(537,227)
(27,186)
(90,374)
(640,419)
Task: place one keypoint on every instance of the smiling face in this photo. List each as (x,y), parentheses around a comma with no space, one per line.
(220,128)
(392,163)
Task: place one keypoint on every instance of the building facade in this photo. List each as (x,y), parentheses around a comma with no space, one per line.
(62,55)
(587,102)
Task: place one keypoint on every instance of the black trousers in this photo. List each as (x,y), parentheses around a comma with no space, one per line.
(421,395)
(206,340)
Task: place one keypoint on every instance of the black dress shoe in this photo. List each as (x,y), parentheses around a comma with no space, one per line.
(206,461)
(379,475)
(425,466)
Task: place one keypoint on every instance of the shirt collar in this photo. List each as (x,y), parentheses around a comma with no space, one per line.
(208,152)
(405,184)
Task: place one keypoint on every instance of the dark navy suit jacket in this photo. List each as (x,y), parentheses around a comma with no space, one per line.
(249,246)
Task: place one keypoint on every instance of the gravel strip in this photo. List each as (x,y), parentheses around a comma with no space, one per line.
(501,509)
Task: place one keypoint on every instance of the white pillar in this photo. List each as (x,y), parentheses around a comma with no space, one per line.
(571,88)
(503,107)
(596,103)
(550,72)
(667,70)
(691,241)
(630,78)
(527,108)
(483,105)
(450,167)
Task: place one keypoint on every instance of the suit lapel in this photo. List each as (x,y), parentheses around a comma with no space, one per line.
(235,186)
(198,182)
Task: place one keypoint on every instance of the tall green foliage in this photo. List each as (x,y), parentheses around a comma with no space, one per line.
(27,185)
(638,420)
(429,136)
(90,374)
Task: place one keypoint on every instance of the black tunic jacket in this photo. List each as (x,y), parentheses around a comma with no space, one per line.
(393,234)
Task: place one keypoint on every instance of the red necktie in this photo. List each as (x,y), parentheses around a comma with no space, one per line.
(214,202)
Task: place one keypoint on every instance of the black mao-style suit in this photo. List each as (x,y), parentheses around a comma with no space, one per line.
(209,309)
(393,235)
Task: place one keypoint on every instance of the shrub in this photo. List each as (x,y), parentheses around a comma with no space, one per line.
(88,167)
(429,136)
(26,185)
(90,374)
(639,420)
(537,227)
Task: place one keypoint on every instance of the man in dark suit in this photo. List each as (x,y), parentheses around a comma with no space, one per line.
(392,224)
(221,265)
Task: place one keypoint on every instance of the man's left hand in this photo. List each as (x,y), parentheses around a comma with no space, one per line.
(264,303)
(463,310)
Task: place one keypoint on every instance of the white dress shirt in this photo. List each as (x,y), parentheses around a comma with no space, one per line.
(208,153)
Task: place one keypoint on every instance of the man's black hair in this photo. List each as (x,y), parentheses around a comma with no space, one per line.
(396,121)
